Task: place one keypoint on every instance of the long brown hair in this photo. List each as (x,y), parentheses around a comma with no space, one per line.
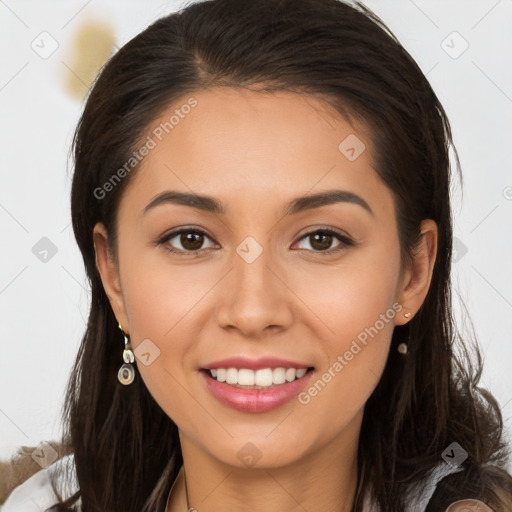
(127,451)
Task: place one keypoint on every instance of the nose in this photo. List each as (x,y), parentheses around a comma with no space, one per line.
(254,297)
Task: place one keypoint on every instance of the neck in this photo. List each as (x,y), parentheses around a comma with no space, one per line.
(323,480)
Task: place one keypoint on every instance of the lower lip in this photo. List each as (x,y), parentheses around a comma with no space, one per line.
(256,400)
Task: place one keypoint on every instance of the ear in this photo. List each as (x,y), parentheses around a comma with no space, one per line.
(109,274)
(417,277)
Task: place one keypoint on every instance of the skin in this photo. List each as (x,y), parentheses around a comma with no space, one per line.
(255,152)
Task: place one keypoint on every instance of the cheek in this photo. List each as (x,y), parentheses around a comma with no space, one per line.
(356,302)
(351,296)
(158,295)
(360,315)
(338,394)
(162,302)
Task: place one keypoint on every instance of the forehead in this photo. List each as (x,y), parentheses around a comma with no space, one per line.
(261,145)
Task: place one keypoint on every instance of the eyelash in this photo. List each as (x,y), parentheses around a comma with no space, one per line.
(345,241)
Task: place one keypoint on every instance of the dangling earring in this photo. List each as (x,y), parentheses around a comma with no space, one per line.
(126,373)
(402,348)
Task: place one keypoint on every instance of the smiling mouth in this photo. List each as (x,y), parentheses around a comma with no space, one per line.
(265,378)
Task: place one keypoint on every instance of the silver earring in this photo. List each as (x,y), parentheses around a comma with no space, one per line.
(402,348)
(126,373)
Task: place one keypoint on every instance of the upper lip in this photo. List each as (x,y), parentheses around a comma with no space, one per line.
(255,364)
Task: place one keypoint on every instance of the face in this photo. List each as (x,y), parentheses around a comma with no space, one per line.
(319,285)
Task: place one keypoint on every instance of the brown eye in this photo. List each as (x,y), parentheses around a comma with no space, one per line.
(190,240)
(321,240)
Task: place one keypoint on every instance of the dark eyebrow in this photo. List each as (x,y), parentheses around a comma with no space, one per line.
(297,205)
(326,198)
(206,203)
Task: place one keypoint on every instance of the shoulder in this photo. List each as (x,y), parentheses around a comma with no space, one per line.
(36,493)
(422,496)
(419,494)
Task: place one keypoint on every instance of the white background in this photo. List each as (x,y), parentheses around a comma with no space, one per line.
(44,306)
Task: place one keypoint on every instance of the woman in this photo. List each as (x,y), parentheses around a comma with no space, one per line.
(261,199)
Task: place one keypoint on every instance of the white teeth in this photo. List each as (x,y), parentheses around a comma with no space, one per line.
(279,376)
(232,376)
(245,377)
(264,377)
(290,374)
